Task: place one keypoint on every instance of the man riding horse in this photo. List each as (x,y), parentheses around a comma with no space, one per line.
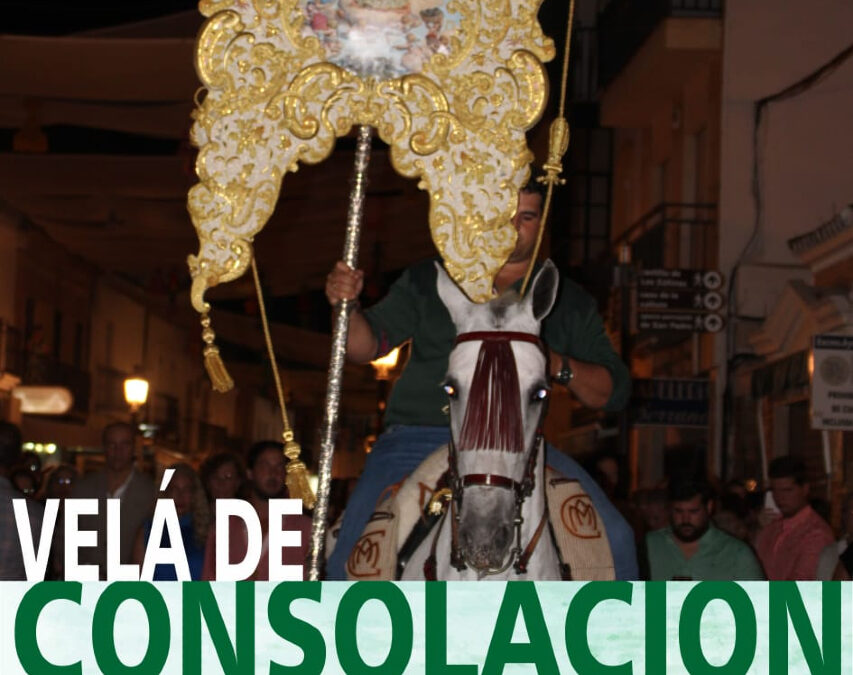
(581,358)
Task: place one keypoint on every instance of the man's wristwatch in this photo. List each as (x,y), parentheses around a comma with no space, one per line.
(565,375)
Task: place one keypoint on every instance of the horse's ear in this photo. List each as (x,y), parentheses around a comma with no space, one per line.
(544,290)
(451,295)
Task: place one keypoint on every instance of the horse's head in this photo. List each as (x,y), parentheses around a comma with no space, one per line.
(497,385)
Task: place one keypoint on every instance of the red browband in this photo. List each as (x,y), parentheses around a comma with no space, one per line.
(500,336)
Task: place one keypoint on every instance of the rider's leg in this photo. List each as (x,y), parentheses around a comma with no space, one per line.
(396,453)
(619,532)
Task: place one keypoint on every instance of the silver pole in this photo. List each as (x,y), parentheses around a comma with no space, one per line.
(340,326)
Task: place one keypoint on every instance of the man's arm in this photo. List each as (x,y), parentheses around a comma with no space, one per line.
(808,550)
(344,283)
(361,342)
(575,329)
(745,566)
(590,383)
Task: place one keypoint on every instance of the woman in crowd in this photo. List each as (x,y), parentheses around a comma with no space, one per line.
(193,511)
(222,476)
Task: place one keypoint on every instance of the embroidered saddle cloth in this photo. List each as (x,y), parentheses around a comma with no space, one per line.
(577,528)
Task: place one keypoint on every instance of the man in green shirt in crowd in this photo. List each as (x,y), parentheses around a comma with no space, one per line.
(581,358)
(691,547)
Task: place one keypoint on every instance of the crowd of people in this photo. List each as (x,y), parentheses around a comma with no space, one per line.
(689,529)
(195,493)
(685,530)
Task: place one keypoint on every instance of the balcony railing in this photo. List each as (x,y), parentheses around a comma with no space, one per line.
(673,235)
(624,25)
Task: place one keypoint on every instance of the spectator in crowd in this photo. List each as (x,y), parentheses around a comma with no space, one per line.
(651,504)
(266,474)
(57,483)
(605,469)
(222,476)
(791,540)
(11,560)
(736,487)
(830,556)
(24,482)
(730,515)
(193,511)
(119,480)
(60,482)
(691,547)
(32,463)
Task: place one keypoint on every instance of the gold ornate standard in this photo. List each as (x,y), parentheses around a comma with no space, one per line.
(281,82)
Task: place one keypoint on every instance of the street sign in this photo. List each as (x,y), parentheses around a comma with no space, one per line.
(683,279)
(679,300)
(691,322)
(832,382)
(659,298)
(671,402)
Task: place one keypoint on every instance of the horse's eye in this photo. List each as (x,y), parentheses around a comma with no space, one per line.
(449,389)
(540,394)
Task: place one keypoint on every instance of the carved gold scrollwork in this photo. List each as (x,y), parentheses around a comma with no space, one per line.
(280,89)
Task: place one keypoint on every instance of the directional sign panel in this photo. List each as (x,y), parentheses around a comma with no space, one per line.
(690,322)
(661,298)
(670,402)
(680,279)
(681,300)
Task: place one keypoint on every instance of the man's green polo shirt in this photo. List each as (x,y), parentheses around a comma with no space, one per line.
(413,310)
(720,557)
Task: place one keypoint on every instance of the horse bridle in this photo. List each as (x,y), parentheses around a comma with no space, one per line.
(519,557)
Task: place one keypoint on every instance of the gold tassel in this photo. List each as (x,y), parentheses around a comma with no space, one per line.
(216,371)
(297,474)
(220,380)
(558,143)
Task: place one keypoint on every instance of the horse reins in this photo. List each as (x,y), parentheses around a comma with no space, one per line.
(519,557)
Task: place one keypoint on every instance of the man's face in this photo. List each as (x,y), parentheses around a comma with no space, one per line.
(526,222)
(789,496)
(224,482)
(118,447)
(268,474)
(689,518)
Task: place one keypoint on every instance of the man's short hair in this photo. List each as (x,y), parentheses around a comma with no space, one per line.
(534,186)
(115,425)
(431,13)
(788,467)
(259,448)
(685,489)
(10,444)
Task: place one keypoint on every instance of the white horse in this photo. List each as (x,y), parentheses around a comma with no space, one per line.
(495,520)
